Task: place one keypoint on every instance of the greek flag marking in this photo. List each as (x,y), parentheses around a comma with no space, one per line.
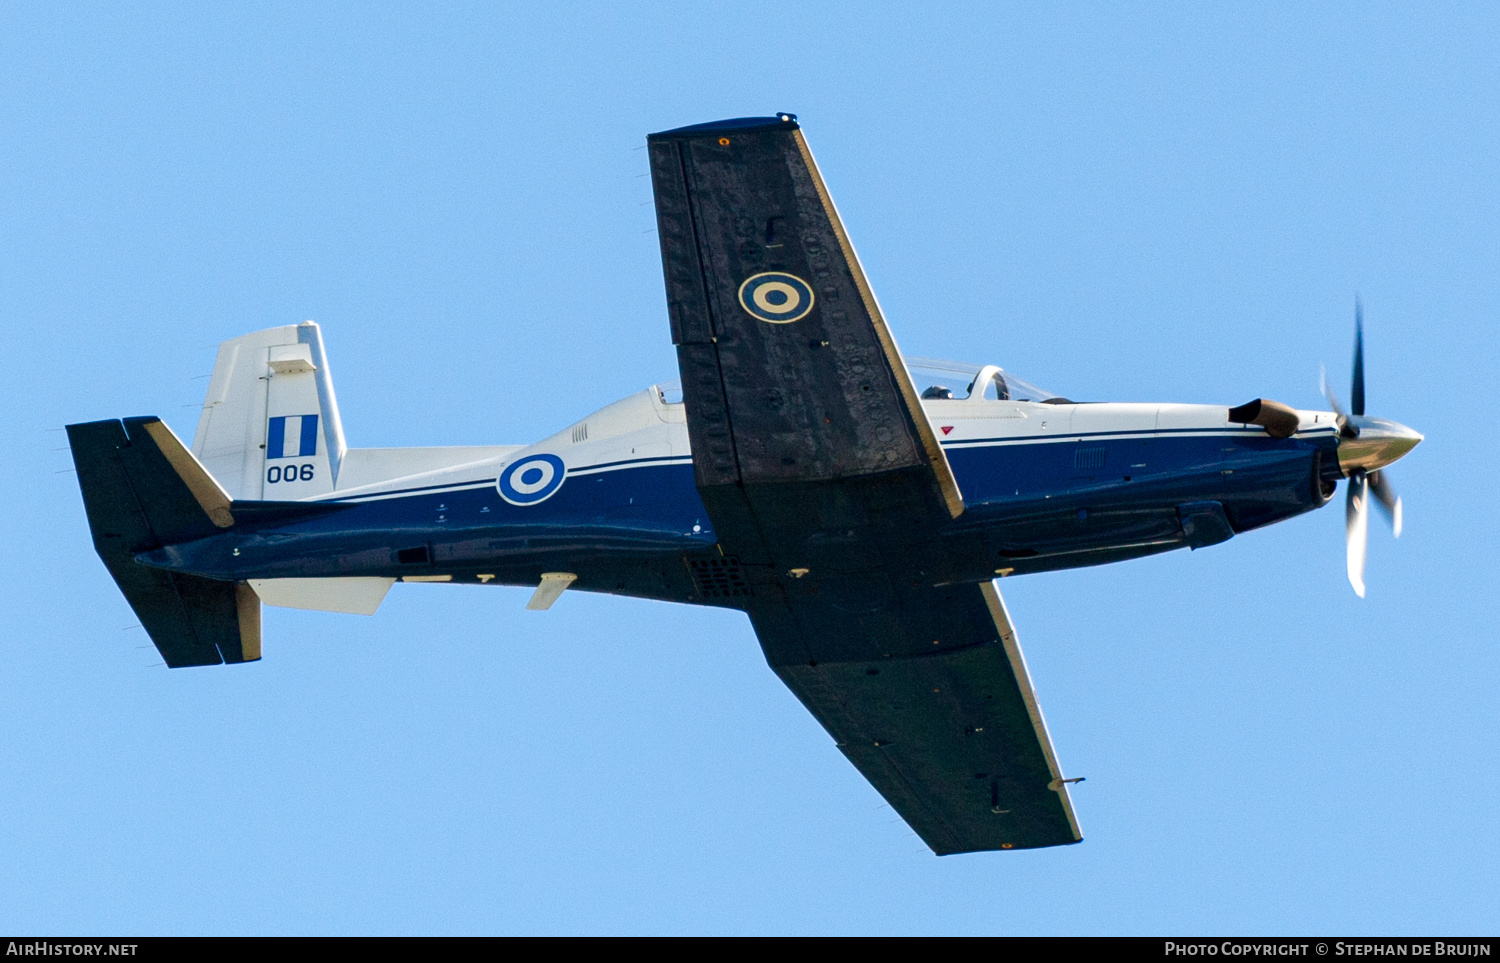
(303,435)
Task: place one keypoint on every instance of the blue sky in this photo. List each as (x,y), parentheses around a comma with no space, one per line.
(1132,203)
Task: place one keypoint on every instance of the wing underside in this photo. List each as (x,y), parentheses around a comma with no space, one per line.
(829,491)
(953,738)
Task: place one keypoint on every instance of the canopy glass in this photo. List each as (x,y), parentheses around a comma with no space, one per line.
(935,378)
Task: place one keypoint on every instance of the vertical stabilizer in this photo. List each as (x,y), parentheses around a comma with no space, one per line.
(270,426)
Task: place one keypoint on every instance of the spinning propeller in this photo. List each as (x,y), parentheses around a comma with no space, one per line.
(1366,446)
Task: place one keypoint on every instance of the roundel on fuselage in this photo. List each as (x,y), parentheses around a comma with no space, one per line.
(531,480)
(776,297)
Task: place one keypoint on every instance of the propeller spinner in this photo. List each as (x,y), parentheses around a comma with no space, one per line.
(1366,446)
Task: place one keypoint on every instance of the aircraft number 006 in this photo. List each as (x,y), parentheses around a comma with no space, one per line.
(290,473)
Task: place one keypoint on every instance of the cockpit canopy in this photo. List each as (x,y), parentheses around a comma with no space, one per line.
(937,379)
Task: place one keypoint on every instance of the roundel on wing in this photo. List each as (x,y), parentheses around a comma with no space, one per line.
(776,297)
(533,479)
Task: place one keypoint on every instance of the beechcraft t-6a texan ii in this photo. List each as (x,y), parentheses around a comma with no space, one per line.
(854,506)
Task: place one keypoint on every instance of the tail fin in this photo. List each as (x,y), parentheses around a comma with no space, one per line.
(142,489)
(270,426)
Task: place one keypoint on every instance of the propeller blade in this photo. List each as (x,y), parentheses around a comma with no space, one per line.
(1346,430)
(1387,499)
(1327,389)
(1357,529)
(1357,383)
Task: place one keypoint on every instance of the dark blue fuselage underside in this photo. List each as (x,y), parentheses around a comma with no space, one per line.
(635,528)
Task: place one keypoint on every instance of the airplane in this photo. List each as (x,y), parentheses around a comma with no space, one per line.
(857,505)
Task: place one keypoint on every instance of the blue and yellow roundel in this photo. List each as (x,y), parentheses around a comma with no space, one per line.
(533,479)
(776,297)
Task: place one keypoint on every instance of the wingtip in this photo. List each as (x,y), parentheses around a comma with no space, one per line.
(781,120)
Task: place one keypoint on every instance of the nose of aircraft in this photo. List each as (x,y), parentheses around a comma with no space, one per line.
(1369,444)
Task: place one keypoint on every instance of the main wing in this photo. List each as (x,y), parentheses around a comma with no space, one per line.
(952,738)
(827,489)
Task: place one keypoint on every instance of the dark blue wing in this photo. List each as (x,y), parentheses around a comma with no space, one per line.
(830,494)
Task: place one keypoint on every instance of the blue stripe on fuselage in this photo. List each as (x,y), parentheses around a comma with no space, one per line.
(651,505)
(1065,437)
(479,483)
(1003,469)
(650,497)
(659,492)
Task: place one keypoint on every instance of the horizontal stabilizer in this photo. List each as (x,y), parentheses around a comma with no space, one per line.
(356,596)
(142,489)
(192,620)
